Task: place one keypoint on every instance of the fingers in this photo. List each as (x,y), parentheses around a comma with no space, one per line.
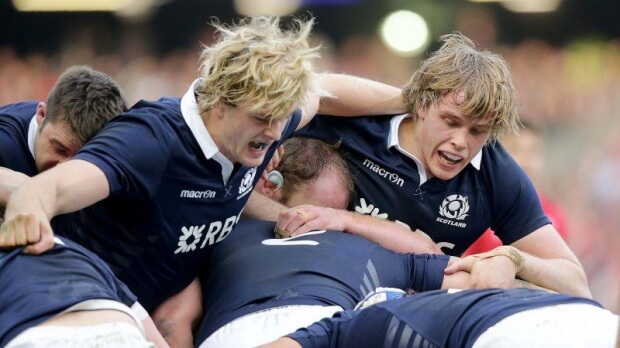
(27,229)
(303,214)
(281,233)
(454,265)
(46,239)
(292,222)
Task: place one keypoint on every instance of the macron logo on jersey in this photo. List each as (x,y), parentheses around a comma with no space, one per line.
(197,194)
(392,177)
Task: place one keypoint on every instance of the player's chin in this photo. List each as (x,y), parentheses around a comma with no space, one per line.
(443,174)
(252,160)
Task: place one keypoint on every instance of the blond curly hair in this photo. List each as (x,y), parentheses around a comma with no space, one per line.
(258,64)
(482,76)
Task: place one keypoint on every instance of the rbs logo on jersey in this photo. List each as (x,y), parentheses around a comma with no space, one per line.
(192,236)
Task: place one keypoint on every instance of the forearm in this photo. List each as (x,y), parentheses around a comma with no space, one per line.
(38,196)
(356,96)
(155,337)
(558,275)
(10,181)
(65,188)
(177,317)
(388,234)
(262,208)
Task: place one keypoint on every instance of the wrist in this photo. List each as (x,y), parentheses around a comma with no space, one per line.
(347,219)
(515,256)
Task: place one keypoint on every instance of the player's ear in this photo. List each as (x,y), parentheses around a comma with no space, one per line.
(41,111)
(271,187)
(276,179)
(218,109)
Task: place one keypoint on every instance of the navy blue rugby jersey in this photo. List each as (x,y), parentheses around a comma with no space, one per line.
(250,271)
(15,152)
(492,191)
(37,287)
(168,202)
(431,319)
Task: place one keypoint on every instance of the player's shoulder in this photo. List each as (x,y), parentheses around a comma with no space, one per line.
(498,163)
(22,110)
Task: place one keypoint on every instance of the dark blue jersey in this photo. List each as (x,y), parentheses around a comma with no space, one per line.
(15,152)
(250,271)
(431,319)
(168,201)
(492,191)
(37,287)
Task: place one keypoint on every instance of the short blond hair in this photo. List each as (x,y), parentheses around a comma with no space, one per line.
(257,63)
(482,76)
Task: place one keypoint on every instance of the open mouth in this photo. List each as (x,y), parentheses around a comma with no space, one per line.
(257,146)
(449,158)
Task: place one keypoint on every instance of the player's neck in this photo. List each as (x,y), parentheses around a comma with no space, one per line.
(406,134)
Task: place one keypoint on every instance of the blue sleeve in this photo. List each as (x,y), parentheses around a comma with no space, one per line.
(133,151)
(321,333)
(14,149)
(428,271)
(517,210)
(293,123)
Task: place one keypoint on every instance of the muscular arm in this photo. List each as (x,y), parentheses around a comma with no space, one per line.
(65,188)
(352,96)
(262,207)
(10,181)
(388,234)
(549,263)
(491,266)
(555,268)
(152,335)
(177,317)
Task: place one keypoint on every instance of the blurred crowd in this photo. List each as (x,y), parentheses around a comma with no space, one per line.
(571,93)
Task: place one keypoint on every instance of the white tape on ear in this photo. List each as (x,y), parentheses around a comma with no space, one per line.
(276,178)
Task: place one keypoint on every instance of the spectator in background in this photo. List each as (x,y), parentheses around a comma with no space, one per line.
(527,149)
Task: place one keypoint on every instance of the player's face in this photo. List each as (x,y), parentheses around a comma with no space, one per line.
(245,136)
(326,191)
(54,143)
(445,140)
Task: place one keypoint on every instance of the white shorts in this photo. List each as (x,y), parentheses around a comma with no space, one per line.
(109,335)
(267,325)
(118,334)
(562,326)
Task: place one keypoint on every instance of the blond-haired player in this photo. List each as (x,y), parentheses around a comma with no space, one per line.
(162,183)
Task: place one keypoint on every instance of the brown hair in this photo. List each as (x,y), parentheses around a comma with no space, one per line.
(305,159)
(84,99)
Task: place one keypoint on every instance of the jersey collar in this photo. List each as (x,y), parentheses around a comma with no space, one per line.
(393,142)
(189,109)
